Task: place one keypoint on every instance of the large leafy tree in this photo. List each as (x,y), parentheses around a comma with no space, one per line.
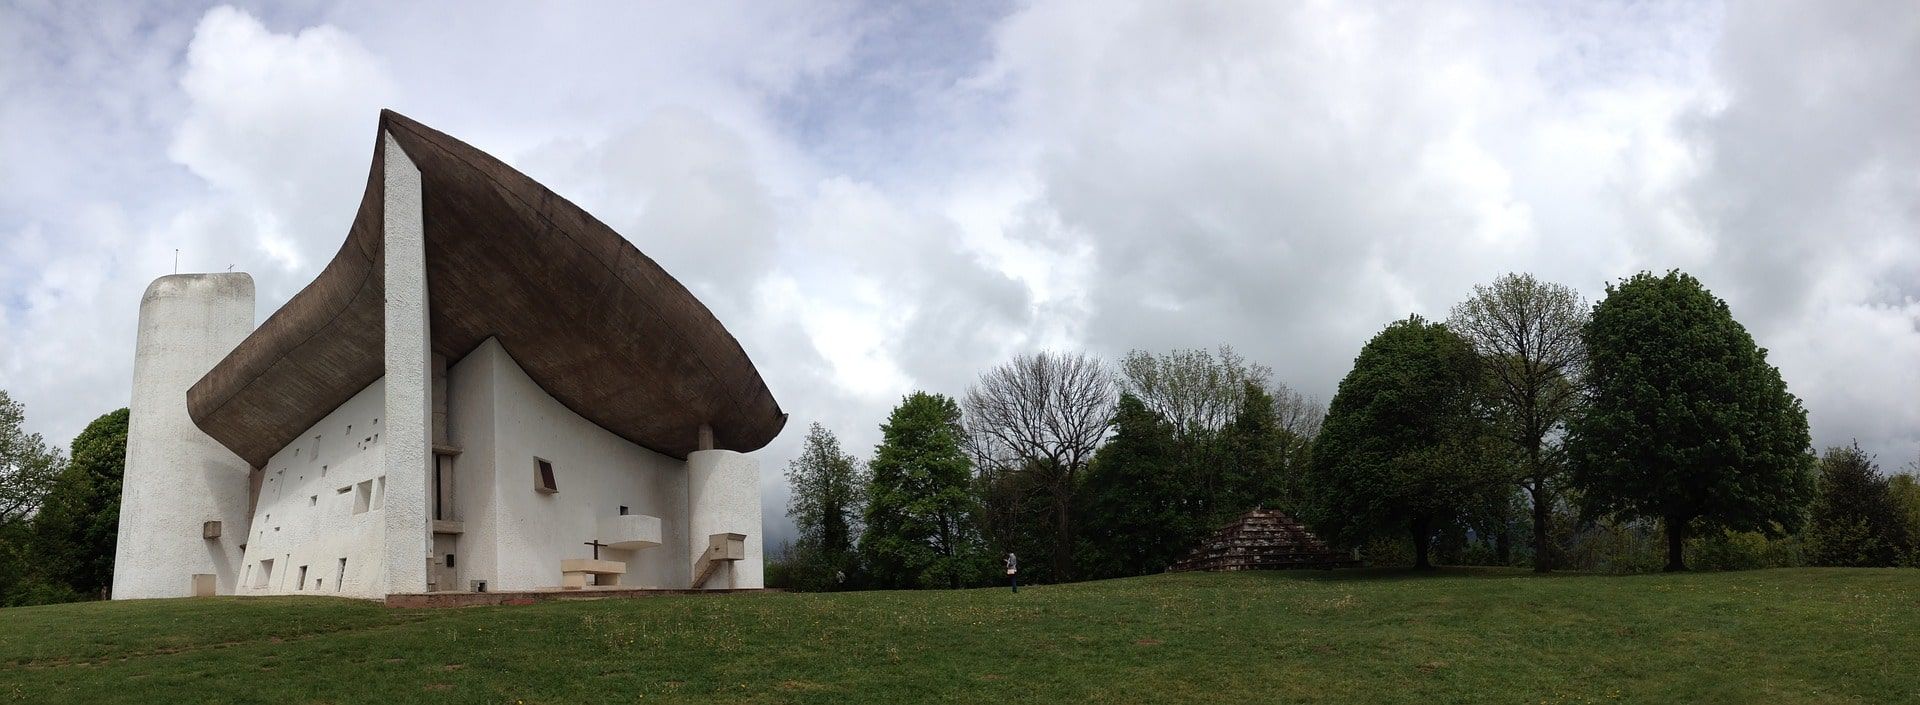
(919,518)
(1229,418)
(1255,447)
(1406,445)
(1857,519)
(79,522)
(1135,505)
(1528,334)
(1686,421)
(28,470)
(828,490)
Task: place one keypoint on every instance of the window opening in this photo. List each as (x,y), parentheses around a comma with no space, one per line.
(543,481)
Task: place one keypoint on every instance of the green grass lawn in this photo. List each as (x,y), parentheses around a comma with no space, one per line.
(1779,636)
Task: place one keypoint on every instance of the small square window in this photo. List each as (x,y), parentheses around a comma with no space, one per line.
(543,481)
(623,510)
(313,500)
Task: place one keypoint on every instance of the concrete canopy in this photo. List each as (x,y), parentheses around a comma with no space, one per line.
(597,324)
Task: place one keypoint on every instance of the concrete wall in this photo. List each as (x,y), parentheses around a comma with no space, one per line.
(176,476)
(515,535)
(310,507)
(409,398)
(470,422)
(723,496)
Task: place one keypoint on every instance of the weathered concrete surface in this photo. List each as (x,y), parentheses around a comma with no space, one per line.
(596,323)
(409,396)
(516,536)
(723,496)
(323,505)
(177,478)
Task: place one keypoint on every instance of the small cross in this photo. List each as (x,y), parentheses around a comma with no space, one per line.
(596,548)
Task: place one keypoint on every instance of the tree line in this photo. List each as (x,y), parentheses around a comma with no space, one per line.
(1625,435)
(59,512)
(1529,428)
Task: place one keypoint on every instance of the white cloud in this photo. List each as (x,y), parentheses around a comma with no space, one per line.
(278,125)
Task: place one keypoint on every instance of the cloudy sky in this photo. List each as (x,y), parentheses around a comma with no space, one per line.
(879,198)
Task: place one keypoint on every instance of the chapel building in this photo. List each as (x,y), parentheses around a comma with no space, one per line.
(486,389)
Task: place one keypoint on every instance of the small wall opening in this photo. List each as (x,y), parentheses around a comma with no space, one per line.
(340,575)
(362,496)
(543,480)
(301,582)
(266,573)
(443,501)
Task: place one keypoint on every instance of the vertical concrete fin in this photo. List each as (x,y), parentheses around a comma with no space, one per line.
(409,403)
(178,478)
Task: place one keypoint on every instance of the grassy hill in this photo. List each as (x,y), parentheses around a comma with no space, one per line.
(1777,636)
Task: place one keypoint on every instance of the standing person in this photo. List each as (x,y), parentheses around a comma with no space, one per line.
(1013,571)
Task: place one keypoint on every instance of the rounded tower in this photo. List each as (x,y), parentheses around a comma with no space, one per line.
(723,504)
(179,482)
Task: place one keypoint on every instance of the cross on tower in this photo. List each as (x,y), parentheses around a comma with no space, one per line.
(596,548)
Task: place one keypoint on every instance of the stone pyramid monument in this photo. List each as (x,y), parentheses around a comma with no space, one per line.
(1263,539)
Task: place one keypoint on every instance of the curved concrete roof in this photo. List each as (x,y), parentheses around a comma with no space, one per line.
(596,323)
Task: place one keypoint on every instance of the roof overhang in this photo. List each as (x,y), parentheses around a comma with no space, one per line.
(594,322)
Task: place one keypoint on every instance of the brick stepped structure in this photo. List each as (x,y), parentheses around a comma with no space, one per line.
(1263,539)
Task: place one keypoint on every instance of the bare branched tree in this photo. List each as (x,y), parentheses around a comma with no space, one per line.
(1044,414)
(1528,332)
(1297,413)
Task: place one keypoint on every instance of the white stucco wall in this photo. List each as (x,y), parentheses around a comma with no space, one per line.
(176,476)
(515,535)
(409,398)
(723,496)
(306,513)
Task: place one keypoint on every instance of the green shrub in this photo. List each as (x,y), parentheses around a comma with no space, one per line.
(1744,550)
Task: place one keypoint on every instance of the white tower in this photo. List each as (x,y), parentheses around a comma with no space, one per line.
(177,478)
(723,497)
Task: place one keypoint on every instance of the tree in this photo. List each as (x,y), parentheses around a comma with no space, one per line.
(1255,450)
(1905,488)
(1134,504)
(1044,415)
(920,516)
(1195,390)
(1528,335)
(1202,395)
(28,469)
(1406,441)
(1857,520)
(79,523)
(1686,422)
(825,506)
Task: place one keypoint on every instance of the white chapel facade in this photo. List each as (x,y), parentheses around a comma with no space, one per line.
(487,389)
